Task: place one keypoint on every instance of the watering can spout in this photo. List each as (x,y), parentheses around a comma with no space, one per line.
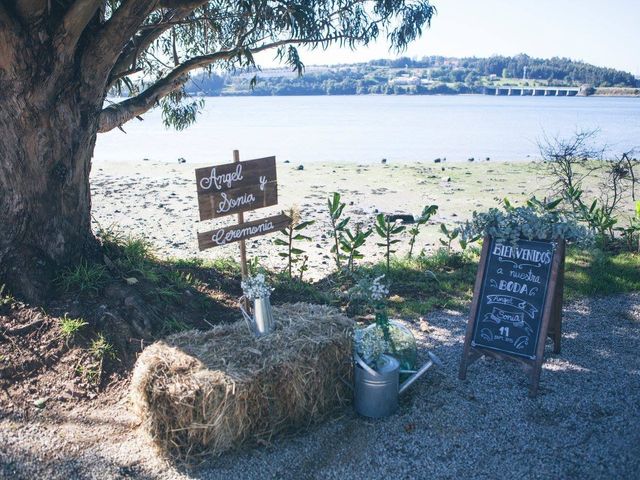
(433,359)
(247,318)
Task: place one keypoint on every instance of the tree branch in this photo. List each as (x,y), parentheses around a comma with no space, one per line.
(189,4)
(73,24)
(119,113)
(141,42)
(114,35)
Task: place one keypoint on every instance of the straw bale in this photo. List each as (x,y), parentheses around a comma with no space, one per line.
(208,392)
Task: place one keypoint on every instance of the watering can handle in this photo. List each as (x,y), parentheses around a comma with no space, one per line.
(363,364)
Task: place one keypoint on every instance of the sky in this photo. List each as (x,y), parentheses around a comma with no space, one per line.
(604,33)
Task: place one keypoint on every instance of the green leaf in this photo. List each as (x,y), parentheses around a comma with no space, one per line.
(301,237)
(343,224)
(380,231)
(297,251)
(279,241)
(553,204)
(283,255)
(304,225)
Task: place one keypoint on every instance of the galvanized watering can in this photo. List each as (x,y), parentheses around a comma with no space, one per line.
(376,392)
(261,322)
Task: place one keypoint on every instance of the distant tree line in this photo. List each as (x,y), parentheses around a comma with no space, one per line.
(406,76)
(556,68)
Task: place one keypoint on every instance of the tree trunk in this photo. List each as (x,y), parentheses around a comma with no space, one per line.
(46,146)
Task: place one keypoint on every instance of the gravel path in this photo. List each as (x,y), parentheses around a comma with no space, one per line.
(585,422)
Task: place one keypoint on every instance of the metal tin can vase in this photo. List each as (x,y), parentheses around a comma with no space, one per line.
(261,322)
(263,316)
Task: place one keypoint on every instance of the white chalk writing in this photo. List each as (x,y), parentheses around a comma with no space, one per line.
(227,203)
(224,236)
(224,179)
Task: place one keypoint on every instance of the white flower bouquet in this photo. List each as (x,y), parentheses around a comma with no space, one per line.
(254,287)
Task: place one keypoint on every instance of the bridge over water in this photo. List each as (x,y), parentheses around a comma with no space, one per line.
(533,91)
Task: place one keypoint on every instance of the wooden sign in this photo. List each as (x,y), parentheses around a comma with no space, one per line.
(243,231)
(517,303)
(236,187)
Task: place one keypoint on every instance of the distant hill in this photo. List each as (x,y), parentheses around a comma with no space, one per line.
(429,75)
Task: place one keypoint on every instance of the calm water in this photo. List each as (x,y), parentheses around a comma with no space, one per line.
(365,129)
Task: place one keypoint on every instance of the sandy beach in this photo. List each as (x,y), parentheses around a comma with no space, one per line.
(158,201)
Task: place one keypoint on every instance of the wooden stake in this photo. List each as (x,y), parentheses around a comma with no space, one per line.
(243,246)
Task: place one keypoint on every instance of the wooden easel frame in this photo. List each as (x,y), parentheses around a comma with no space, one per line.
(551,319)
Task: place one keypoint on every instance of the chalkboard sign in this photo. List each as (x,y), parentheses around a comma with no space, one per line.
(514,290)
(517,303)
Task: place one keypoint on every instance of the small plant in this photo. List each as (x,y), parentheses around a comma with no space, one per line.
(90,373)
(254,287)
(351,242)
(181,280)
(387,231)
(69,327)
(535,221)
(631,233)
(174,325)
(131,255)
(449,235)
(253,266)
(383,336)
(101,349)
(292,233)
(5,297)
(338,225)
(84,277)
(227,266)
(600,220)
(427,213)
(371,343)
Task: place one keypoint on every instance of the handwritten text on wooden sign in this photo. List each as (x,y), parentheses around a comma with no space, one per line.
(235,233)
(236,187)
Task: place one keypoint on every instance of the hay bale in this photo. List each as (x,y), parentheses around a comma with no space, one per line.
(207,392)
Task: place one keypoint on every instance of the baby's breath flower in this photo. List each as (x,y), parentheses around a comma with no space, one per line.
(370,344)
(379,291)
(255,287)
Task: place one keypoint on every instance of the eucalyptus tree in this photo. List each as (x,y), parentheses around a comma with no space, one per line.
(60,58)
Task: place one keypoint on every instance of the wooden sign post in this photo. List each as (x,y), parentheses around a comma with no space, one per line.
(238,187)
(517,303)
